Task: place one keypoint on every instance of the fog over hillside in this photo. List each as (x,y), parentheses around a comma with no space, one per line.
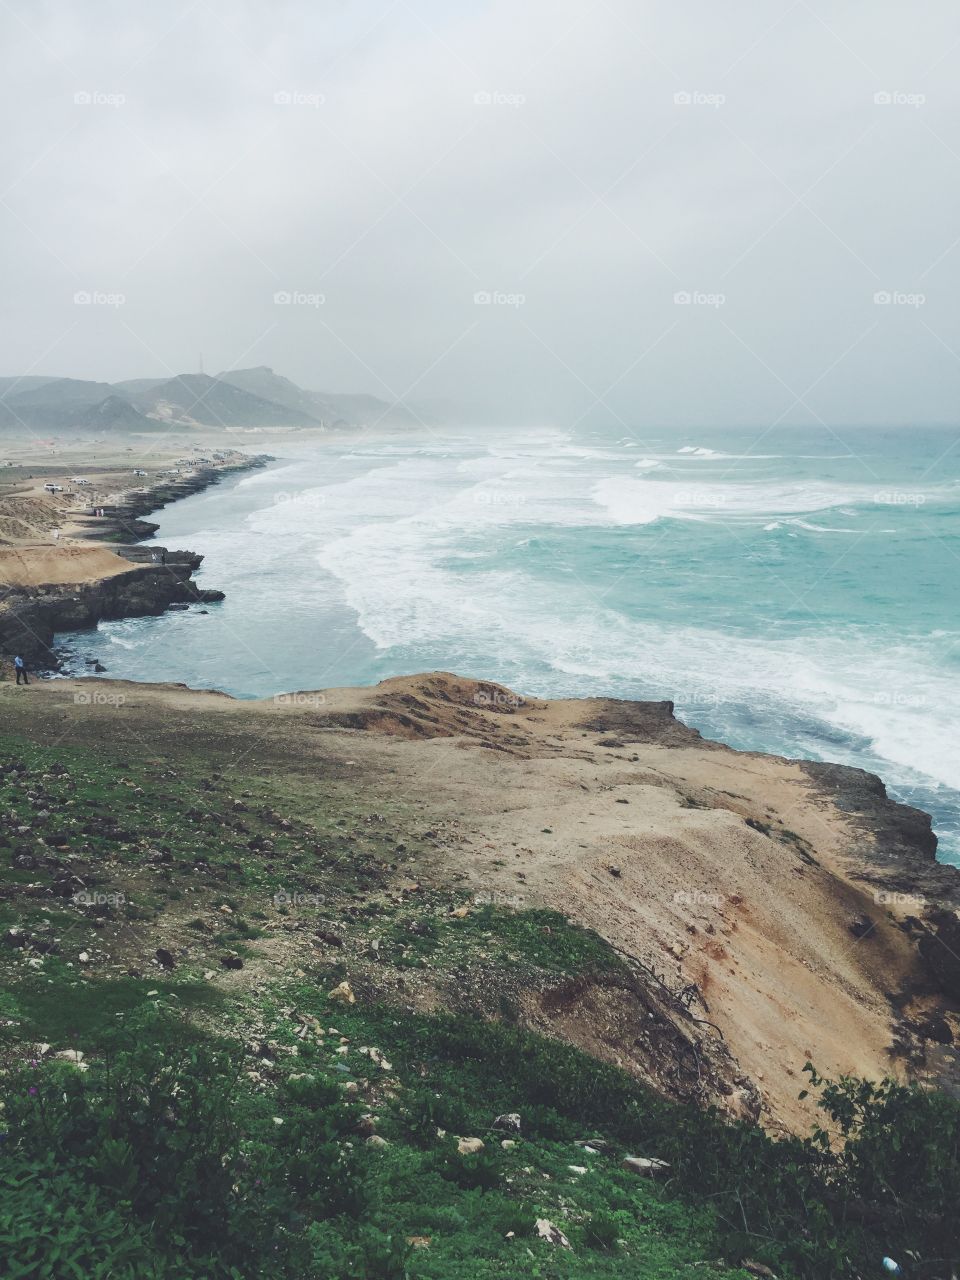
(240,398)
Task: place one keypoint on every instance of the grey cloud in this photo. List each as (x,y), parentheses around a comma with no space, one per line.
(400,158)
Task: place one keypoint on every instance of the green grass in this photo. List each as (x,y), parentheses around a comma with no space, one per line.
(59,1008)
(308,1197)
(539,939)
(164,1160)
(166,1142)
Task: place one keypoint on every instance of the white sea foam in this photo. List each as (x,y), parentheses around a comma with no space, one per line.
(818,528)
(393,576)
(392,539)
(635,500)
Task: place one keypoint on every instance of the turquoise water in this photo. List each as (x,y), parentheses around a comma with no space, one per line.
(794,592)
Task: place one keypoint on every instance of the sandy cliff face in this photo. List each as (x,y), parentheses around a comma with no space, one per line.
(768,911)
(791,896)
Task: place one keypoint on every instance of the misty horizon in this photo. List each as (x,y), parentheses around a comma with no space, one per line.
(603,216)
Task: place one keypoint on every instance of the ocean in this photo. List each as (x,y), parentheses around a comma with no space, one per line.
(794,592)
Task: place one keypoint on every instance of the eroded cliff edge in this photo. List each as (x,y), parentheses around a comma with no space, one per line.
(40,597)
(758,912)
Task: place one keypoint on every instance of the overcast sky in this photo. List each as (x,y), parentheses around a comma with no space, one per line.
(385,165)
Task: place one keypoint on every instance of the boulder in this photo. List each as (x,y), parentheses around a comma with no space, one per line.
(553,1235)
(645,1166)
(73,1056)
(860,926)
(509,1122)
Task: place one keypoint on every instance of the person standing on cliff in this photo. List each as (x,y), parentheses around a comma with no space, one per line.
(21,669)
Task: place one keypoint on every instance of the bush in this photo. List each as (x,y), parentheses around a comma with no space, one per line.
(173,1141)
(898,1167)
(603,1230)
(52,1224)
(885,1180)
(162,1163)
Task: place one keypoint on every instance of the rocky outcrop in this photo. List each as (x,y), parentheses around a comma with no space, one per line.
(626,722)
(125,517)
(897,829)
(897,859)
(29,619)
(939,945)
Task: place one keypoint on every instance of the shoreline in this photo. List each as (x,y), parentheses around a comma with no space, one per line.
(830,740)
(64,585)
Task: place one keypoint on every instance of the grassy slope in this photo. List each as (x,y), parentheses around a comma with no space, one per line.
(122,814)
(121,863)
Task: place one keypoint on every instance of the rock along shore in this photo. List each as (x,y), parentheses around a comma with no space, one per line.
(31,615)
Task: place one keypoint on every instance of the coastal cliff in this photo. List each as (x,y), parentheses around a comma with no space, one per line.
(42,598)
(30,617)
(707,920)
(123,515)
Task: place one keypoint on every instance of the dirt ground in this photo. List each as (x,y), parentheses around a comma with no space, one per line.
(58,565)
(32,516)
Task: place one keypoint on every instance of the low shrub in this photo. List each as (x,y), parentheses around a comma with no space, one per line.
(169,1136)
(164,1162)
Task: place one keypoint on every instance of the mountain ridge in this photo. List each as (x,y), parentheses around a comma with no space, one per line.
(244,399)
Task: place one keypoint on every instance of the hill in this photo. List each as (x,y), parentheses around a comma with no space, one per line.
(380,983)
(263,382)
(197,399)
(28,382)
(371,411)
(62,393)
(238,398)
(327,406)
(73,411)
